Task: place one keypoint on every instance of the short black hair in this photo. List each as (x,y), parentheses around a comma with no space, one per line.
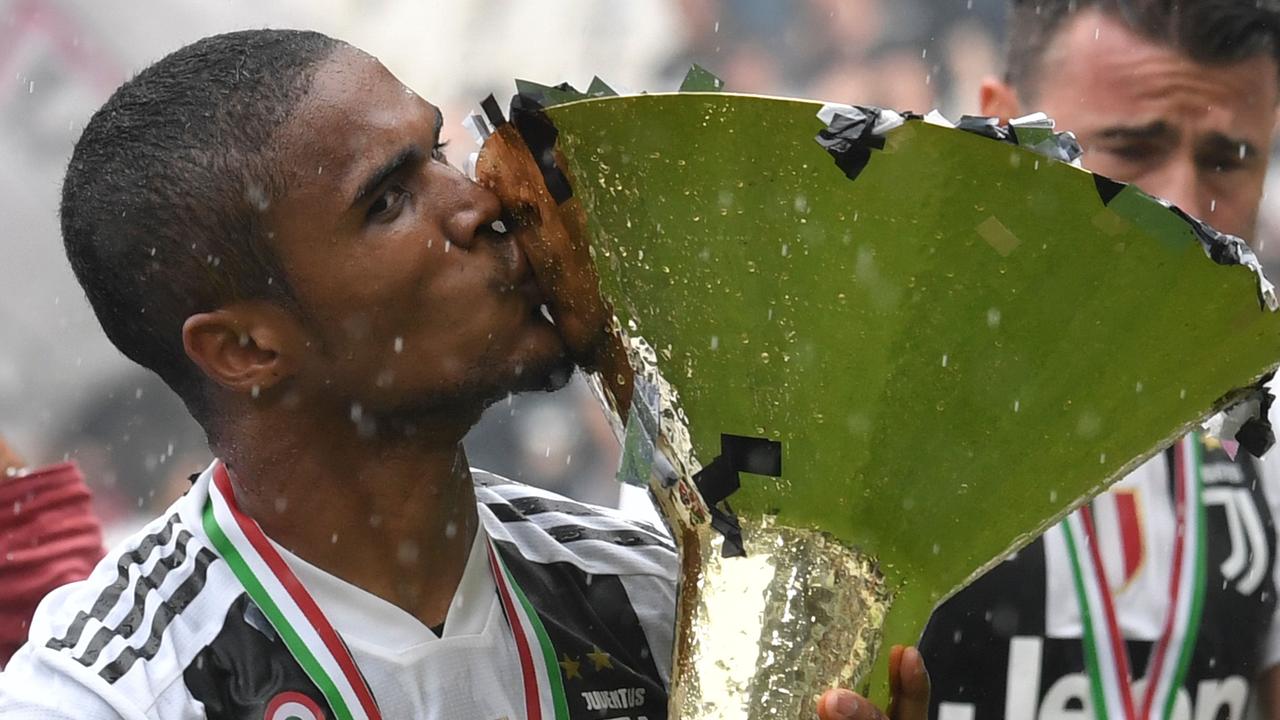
(1211,32)
(163,197)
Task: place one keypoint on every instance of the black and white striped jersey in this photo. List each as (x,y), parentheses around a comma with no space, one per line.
(1010,644)
(163,629)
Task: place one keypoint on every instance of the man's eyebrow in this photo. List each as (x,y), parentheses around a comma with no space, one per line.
(1154,130)
(406,156)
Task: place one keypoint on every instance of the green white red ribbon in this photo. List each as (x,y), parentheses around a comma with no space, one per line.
(288,606)
(1105,654)
(543,687)
(316,645)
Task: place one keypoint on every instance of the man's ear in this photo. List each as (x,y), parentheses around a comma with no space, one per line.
(246,347)
(997,98)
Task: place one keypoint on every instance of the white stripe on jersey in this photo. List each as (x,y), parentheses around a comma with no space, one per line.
(653,599)
(608,518)
(596,557)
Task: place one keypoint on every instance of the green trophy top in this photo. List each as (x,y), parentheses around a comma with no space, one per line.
(955,347)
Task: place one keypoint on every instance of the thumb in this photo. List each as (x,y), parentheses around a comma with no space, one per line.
(911,699)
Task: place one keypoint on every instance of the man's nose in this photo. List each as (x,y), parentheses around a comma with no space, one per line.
(466,206)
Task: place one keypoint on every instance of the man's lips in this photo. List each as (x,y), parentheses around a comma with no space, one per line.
(533,294)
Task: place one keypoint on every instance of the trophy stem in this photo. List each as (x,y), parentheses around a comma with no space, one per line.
(769,632)
(760,635)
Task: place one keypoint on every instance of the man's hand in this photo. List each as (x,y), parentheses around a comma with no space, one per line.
(553,236)
(10,461)
(908,688)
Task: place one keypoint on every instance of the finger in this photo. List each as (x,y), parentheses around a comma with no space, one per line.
(911,698)
(840,704)
(895,671)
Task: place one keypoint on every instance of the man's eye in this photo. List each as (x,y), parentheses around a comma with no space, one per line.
(1132,153)
(388,203)
(1224,164)
(437,151)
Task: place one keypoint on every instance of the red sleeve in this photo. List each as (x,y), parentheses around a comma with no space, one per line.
(48,537)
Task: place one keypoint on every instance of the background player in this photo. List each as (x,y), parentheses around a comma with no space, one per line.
(1180,99)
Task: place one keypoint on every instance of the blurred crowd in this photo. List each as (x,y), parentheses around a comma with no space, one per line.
(64,393)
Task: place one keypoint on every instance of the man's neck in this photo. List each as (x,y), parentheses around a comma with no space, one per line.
(394,516)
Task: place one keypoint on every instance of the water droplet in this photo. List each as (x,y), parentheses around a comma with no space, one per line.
(407,552)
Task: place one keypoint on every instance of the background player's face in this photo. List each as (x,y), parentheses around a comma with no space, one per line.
(1196,135)
(410,299)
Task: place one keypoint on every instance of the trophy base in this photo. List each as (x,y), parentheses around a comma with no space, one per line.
(799,614)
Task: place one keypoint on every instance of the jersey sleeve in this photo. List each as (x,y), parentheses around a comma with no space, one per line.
(1269,476)
(42,684)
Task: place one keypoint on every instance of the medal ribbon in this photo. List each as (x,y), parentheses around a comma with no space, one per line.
(543,687)
(1105,654)
(288,606)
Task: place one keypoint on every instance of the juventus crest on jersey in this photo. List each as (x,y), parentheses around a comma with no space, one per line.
(165,629)
(1014,644)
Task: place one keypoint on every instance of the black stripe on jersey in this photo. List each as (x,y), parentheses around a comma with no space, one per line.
(535,505)
(571,533)
(144,586)
(627,538)
(111,594)
(168,609)
(589,615)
